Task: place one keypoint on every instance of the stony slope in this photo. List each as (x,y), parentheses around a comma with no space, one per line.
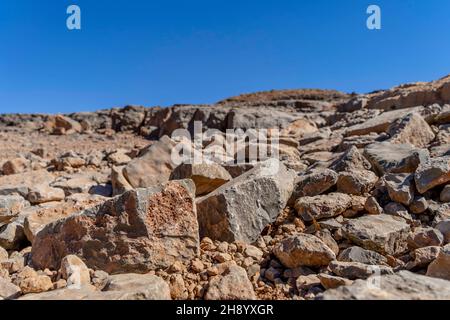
(92,206)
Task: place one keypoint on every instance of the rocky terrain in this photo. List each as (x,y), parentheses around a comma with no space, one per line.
(356,205)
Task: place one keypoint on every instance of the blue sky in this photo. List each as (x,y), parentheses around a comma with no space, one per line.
(161,52)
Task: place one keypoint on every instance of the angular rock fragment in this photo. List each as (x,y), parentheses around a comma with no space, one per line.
(412,129)
(386,157)
(333,282)
(382,233)
(29,281)
(15,166)
(118,181)
(444,228)
(400,286)
(10,206)
(425,237)
(323,206)
(445,194)
(419,205)
(440,268)
(42,194)
(400,187)
(431,173)
(243,207)
(22,183)
(356,182)
(356,270)
(206,176)
(423,257)
(12,236)
(37,217)
(352,159)
(358,254)
(66,125)
(75,272)
(372,206)
(313,183)
(378,124)
(122,287)
(139,231)
(153,166)
(303,250)
(8,290)
(232,285)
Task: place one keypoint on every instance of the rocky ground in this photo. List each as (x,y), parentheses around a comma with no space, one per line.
(92,206)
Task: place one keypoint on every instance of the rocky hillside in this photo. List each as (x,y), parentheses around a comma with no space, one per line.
(356,205)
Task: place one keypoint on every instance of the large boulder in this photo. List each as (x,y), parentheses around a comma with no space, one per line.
(139,231)
(243,207)
(400,286)
(153,166)
(382,233)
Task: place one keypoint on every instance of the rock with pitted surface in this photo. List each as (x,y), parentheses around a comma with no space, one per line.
(139,231)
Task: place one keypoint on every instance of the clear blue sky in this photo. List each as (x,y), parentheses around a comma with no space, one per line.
(161,52)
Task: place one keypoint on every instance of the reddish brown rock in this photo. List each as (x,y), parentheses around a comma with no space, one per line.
(139,231)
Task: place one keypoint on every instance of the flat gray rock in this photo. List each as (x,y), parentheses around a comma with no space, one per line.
(400,286)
